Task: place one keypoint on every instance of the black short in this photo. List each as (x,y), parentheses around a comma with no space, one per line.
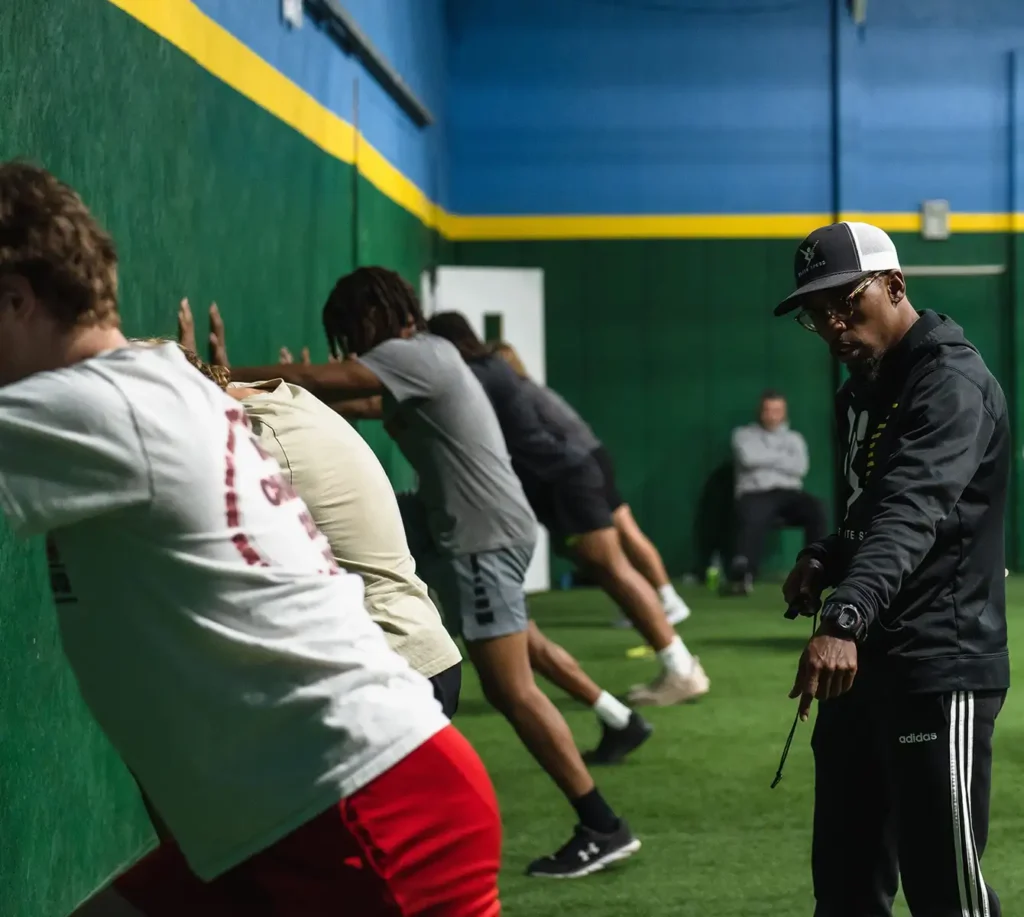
(579,501)
(447,688)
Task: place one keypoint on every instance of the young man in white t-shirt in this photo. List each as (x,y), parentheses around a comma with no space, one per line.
(351,500)
(291,755)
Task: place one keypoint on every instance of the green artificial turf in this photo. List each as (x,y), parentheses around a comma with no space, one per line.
(717,841)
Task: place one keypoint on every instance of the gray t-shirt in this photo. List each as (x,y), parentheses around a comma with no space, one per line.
(439,416)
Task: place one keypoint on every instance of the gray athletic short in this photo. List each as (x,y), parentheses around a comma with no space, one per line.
(481,595)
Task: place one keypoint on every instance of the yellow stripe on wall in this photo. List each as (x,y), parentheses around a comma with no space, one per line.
(698,226)
(695,226)
(216,50)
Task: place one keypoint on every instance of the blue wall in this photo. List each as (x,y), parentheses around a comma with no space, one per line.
(673,106)
(410,34)
(925,105)
(623,106)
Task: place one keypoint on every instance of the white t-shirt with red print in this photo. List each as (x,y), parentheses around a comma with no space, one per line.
(226,656)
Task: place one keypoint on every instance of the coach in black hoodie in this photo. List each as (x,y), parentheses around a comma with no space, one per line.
(910,662)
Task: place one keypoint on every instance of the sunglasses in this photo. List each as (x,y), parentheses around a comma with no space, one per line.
(818,318)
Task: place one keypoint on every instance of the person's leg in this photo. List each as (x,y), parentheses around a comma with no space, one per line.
(488,590)
(600,554)
(802,510)
(557,665)
(623,730)
(503,665)
(644,556)
(421,840)
(940,749)
(447,687)
(853,860)
(639,549)
(754,516)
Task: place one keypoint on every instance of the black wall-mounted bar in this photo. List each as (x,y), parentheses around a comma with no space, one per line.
(331,15)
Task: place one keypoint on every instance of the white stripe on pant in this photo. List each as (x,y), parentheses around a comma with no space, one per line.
(973,892)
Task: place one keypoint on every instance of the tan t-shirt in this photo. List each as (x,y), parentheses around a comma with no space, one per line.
(352,502)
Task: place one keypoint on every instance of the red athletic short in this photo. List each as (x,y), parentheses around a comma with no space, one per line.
(422,840)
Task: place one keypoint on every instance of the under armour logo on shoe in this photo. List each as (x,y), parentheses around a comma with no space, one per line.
(592,850)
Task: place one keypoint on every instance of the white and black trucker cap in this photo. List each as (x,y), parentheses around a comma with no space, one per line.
(836,255)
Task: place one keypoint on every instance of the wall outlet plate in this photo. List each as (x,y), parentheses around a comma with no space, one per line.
(291,12)
(935,220)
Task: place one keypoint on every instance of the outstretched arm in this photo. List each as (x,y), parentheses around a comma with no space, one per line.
(371,408)
(328,381)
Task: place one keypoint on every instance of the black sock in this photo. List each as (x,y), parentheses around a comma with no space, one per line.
(595,813)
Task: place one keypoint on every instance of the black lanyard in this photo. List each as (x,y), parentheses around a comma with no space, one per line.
(792,613)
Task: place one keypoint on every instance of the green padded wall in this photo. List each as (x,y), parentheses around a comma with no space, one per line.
(209,197)
(665,346)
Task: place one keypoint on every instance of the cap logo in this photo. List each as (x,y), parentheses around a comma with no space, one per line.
(808,253)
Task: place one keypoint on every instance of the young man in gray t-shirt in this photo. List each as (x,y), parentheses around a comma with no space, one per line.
(569,482)
(475,532)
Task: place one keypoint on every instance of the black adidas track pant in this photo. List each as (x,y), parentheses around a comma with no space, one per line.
(901,791)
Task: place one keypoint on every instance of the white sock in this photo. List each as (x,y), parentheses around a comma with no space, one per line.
(670,598)
(676,658)
(611,711)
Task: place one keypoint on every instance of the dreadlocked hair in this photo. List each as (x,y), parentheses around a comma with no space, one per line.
(455,327)
(367,307)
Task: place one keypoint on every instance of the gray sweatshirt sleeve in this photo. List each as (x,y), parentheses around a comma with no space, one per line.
(784,452)
(749,452)
(798,455)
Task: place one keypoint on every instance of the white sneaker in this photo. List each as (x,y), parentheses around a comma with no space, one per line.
(669,688)
(677,612)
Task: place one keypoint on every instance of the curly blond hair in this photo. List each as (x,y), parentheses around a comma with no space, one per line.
(49,237)
(214,372)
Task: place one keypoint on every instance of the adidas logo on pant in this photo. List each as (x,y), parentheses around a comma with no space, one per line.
(920,737)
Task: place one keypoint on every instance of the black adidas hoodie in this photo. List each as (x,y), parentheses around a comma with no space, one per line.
(927,456)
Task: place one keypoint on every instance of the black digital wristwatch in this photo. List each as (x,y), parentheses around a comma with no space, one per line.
(845,620)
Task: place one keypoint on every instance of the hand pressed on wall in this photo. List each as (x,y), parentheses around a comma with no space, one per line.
(218,339)
(186,326)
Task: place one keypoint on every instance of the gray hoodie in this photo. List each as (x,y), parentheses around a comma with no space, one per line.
(768,460)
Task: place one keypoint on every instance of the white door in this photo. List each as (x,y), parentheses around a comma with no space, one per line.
(509,302)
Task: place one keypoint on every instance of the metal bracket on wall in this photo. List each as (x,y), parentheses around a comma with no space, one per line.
(953,270)
(336,20)
(291,12)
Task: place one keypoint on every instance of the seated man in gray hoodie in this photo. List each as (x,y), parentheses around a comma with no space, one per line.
(771,462)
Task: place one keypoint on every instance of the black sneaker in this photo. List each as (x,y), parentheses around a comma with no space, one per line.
(587,852)
(615,744)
